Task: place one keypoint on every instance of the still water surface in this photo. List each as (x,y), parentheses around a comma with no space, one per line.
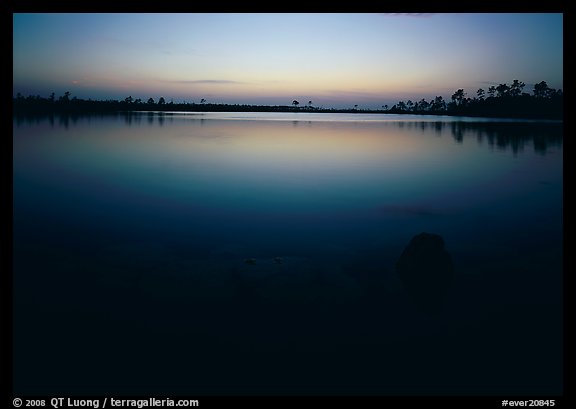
(237,253)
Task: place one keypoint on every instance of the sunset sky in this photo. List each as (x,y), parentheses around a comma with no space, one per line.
(333,60)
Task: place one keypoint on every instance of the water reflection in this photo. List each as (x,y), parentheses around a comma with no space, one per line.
(512,135)
(251,249)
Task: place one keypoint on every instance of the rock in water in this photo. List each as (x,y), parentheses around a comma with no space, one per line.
(426,271)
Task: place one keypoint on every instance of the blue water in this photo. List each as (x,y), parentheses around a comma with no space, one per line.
(260,250)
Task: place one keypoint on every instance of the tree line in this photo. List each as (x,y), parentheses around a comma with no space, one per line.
(72,105)
(498,101)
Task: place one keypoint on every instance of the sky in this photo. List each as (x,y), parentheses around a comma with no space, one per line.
(335,60)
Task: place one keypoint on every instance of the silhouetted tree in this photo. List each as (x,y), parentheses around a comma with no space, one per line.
(409,105)
(438,104)
(516,88)
(424,105)
(541,90)
(65,98)
(202,101)
(458,97)
(295,103)
(161,101)
(480,94)
(502,90)
(150,101)
(491,91)
(129,100)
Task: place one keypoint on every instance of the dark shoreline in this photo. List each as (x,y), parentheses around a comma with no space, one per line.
(547,109)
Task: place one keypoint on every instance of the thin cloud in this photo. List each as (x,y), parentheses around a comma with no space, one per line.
(489,82)
(204,82)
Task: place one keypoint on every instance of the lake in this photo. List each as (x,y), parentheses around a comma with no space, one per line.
(255,254)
